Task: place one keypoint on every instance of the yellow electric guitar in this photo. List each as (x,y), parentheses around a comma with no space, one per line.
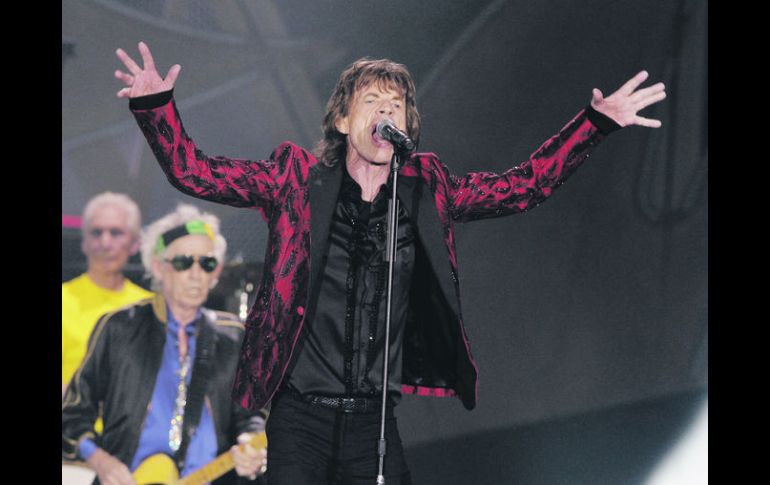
(160,469)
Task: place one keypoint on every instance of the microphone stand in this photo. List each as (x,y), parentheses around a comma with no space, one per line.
(390,257)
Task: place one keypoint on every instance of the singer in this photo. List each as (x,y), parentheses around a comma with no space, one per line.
(313,347)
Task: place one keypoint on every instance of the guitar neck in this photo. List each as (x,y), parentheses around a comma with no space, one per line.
(221,465)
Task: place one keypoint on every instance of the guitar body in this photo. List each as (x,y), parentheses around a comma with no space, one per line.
(157,469)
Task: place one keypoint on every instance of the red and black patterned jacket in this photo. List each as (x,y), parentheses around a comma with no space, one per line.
(296,195)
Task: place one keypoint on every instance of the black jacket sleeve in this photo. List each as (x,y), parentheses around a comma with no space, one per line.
(80,406)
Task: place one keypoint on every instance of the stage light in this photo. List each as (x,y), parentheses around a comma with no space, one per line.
(687,462)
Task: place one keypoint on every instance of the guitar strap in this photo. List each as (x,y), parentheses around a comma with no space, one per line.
(201,372)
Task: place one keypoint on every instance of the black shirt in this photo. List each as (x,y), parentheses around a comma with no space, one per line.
(343,347)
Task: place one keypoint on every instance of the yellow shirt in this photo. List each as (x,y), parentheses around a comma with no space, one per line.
(82,303)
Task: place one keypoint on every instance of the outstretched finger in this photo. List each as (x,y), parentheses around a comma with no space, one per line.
(648,91)
(124,93)
(633,83)
(650,100)
(125,77)
(149,62)
(128,62)
(173,73)
(650,123)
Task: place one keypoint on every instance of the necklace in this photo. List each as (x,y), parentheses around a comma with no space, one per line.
(175,433)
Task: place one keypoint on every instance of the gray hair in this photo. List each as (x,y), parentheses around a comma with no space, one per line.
(183,214)
(124,202)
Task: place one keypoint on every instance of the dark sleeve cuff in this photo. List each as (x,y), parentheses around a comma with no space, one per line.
(151,101)
(605,124)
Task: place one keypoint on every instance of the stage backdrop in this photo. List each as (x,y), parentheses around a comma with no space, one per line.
(595,299)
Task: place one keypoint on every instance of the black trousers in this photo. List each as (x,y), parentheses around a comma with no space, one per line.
(313,445)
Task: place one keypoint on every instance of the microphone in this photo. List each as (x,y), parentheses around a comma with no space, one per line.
(388,131)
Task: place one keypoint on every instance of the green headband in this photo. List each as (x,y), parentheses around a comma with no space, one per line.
(191,227)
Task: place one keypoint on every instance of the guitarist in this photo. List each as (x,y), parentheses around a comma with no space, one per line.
(159,372)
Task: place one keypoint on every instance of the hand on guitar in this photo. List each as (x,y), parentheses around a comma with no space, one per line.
(249,461)
(110,470)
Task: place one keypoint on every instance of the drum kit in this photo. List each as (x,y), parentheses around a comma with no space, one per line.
(236,288)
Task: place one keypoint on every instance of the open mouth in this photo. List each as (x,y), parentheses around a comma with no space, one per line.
(377,139)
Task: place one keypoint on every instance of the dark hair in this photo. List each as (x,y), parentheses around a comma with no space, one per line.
(332,148)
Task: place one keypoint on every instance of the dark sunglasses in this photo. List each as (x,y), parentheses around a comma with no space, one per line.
(183,262)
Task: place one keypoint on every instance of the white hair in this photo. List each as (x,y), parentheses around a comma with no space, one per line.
(122,201)
(183,214)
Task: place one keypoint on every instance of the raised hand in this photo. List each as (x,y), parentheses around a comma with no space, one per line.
(141,82)
(624,104)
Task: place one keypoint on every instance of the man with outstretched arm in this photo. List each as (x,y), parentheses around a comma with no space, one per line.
(314,344)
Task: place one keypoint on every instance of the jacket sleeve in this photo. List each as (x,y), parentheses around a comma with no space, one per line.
(482,195)
(80,406)
(236,182)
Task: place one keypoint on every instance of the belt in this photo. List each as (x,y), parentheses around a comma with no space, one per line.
(343,404)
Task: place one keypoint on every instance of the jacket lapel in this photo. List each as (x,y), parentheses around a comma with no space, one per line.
(324,188)
(156,342)
(152,354)
(421,206)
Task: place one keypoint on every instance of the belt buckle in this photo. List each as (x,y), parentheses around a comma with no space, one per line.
(349,404)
